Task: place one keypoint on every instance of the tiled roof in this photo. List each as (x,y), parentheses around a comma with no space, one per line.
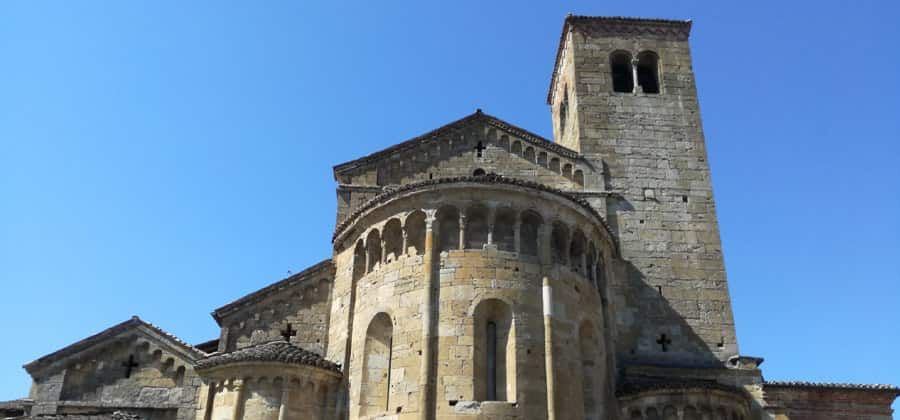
(272,352)
(831,385)
(132,323)
(447,128)
(484,179)
(208,346)
(617,24)
(276,287)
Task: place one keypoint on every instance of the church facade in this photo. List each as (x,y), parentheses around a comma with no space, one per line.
(481,271)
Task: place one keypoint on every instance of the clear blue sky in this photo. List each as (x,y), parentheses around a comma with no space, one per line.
(162,158)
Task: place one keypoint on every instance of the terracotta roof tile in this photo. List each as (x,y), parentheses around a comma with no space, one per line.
(271,352)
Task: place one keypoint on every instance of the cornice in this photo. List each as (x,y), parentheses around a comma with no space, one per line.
(489,179)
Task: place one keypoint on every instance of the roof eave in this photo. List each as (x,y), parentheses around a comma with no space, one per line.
(477,115)
(220,313)
(132,323)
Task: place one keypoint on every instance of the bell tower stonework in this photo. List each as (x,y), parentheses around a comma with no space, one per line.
(623,95)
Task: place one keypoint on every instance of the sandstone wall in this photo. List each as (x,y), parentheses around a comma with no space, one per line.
(268,391)
(826,403)
(455,154)
(305,306)
(475,286)
(653,148)
(161,383)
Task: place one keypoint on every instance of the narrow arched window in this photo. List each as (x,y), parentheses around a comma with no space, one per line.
(491,362)
(376,376)
(563,110)
(648,72)
(494,352)
(622,77)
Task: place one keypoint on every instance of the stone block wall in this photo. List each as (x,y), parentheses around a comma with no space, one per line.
(306,307)
(268,391)
(652,147)
(475,287)
(455,154)
(828,403)
(160,382)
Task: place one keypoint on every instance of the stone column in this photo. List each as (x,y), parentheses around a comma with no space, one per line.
(285,400)
(462,231)
(405,247)
(548,348)
(427,375)
(210,401)
(634,76)
(238,409)
(492,217)
(368,258)
(383,251)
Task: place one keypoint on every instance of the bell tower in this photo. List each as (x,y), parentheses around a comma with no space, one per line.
(623,95)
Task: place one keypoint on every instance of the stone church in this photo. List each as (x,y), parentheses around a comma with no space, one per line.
(481,271)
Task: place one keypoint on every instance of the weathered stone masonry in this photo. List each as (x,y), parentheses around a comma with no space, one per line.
(480,271)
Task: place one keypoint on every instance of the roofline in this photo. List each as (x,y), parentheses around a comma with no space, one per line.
(832,385)
(651,26)
(478,115)
(228,309)
(87,342)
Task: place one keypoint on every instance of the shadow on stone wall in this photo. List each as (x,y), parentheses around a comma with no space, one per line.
(651,331)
